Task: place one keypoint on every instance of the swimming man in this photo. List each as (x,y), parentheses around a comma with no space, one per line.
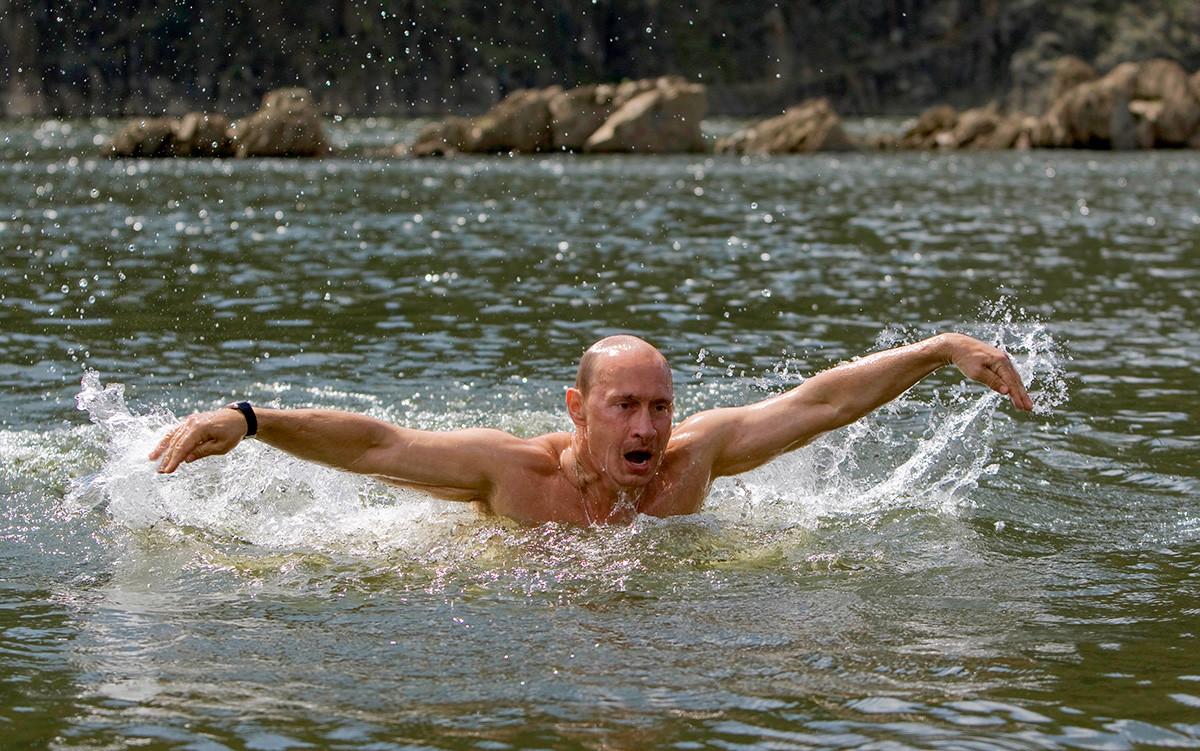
(624,457)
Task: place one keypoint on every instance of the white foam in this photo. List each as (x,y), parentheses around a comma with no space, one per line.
(263,497)
(256,494)
(876,464)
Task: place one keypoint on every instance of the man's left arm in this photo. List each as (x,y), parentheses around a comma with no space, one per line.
(739,439)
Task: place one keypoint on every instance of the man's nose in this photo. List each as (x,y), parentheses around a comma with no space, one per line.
(643,424)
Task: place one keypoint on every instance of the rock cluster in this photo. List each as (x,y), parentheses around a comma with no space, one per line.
(1154,104)
(286,125)
(945,128)
(1135,106)
(650,116)
(808,127)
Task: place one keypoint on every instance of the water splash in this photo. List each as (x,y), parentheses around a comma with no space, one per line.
(1035,353)
(124,483)
(876,464)
(259,496)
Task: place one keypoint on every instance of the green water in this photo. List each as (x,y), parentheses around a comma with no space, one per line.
(946,574)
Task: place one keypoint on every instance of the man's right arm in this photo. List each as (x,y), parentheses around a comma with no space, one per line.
(739,439)
(460,461)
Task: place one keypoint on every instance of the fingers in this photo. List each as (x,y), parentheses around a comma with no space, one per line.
(174,449)
(1007,381)
(162,445)
(198,436)
(1017,394)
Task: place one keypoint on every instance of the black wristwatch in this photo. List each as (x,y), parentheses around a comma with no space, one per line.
(248,413)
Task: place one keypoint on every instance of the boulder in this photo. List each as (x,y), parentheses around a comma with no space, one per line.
(988,129)
(1040,72)
(286,125)
(882,141)
(442,138)
(535,120)
(972,129)
(202,134)
(1163,98)
(395,151)
(519,123)
(152,137)
(1094,114)
(808,127)
(577,113)
(1069,72)
(932,122)
(1012,131)
(198,134)
(627,90)
(983,128)
(1194,84)
(663,119)
(1134,106)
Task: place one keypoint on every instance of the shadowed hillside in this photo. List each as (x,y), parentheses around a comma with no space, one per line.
(425,57)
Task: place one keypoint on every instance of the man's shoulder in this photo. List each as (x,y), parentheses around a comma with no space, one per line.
(536,453)
(530,485)
(500,452)
(703,429)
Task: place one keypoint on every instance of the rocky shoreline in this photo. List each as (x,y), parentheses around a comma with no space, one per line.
(285,125)
(1148,105)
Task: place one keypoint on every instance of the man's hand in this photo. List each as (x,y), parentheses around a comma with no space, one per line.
(987,365)
(203,434)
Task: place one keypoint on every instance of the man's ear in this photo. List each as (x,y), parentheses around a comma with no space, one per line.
(575,406)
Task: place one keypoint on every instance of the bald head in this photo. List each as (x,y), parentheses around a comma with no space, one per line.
(609,351)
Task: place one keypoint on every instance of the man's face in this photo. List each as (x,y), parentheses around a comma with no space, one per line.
(626,417)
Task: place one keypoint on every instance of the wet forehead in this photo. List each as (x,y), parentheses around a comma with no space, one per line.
(642,374)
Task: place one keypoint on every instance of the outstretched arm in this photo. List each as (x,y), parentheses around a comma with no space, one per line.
(742,438)
(457,463)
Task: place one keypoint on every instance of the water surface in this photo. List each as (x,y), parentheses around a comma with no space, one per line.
(945,574)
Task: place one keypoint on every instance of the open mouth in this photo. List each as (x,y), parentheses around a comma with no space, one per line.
(637,457)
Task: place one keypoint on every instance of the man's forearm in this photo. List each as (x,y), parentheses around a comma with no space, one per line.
(854,389)
(335,439)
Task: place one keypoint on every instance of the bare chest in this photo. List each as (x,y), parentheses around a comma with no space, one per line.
(554,498)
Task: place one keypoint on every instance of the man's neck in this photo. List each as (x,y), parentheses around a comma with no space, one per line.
(602,502)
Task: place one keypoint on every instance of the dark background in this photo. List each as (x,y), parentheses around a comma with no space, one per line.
(434,57)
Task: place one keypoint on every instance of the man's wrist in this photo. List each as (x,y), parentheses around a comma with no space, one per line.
(248,413)
(944,347)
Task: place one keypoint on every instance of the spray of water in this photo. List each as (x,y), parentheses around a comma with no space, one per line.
(257,496)
(263,498)
(878,463)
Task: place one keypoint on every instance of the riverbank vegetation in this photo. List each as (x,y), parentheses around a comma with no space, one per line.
(439,57)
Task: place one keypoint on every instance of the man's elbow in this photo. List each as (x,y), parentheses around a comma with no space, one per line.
(820,417)
(376,453)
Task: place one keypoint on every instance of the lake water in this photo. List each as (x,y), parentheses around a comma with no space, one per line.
(946,574)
